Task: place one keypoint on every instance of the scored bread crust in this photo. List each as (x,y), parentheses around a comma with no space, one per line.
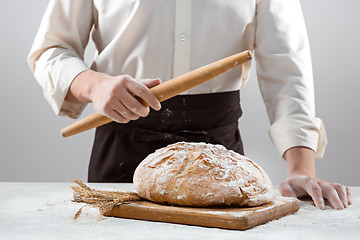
(201,175)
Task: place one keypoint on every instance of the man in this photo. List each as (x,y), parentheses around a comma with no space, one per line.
(140,41)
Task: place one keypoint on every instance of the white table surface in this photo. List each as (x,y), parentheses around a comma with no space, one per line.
(45,211)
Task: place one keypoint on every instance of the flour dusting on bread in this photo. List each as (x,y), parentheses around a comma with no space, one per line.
(201,175)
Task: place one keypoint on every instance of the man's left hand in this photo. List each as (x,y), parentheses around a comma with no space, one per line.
(302,181)
(337,194)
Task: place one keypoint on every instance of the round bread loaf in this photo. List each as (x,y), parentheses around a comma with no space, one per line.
(201,175)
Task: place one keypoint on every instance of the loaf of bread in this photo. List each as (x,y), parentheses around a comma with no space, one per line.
(201,175)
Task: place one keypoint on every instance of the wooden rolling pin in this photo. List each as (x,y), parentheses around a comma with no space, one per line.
(168,89)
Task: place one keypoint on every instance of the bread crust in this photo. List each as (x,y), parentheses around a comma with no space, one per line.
(201,175)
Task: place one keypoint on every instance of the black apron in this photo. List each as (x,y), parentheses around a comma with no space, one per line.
(119,148)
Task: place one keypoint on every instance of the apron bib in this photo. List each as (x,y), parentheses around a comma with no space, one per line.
(119,148)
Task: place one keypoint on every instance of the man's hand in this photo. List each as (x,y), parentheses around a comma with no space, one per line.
(337,194)
(301,181)
(114,97)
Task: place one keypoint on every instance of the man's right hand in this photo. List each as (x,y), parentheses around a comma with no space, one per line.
(114,97)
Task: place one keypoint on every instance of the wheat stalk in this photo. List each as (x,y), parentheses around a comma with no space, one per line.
(104,200)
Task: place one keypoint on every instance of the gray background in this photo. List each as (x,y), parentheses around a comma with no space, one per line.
(31,148)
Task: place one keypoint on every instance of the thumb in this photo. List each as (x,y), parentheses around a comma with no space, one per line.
(286,190)
(148,82)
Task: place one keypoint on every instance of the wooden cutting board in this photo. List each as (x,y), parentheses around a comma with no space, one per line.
(240,218)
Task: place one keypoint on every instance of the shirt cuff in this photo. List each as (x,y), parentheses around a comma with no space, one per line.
(61,77)
(72,110)
(299,130)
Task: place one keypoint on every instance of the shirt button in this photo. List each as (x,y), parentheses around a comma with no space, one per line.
(182,37)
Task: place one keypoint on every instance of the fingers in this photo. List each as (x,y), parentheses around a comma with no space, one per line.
(338,195)
(133,104)
(286,190)
(118,112)
(315,191)
(118,97)
(150,82)
(128,106)
(144,93)
(117,117)
(342,193)
(331,195)
(125,112)
(348,196)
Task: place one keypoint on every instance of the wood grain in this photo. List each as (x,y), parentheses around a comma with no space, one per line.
(238,218)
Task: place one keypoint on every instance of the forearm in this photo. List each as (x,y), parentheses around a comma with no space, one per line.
(300,161)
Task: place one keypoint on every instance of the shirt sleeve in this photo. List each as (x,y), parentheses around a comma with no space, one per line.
(56,56)
(284,70)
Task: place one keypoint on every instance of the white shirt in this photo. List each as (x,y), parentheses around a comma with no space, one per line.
(165,38)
